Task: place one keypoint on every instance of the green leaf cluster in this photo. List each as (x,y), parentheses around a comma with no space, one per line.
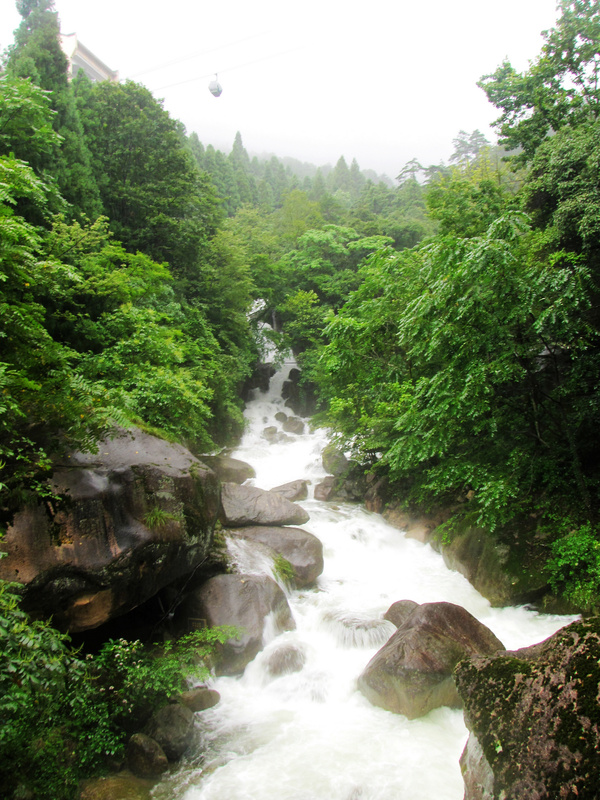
(574,567)
(65,716)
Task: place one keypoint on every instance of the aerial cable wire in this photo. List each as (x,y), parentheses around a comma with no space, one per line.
(229,69)
(199,53)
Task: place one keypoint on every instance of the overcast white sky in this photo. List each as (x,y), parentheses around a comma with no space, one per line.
(381,81)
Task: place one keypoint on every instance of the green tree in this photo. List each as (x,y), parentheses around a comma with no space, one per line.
(156,198)
(465,201)
(561,86)
(468,388)
(467,147)
(36,54)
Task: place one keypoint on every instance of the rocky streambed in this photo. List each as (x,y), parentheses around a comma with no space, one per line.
(359,646)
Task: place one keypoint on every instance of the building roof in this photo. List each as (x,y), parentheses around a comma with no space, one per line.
(79,57)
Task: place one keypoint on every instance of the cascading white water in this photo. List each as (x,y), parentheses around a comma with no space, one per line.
(309,734)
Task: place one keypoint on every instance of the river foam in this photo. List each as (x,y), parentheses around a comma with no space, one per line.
(309,734)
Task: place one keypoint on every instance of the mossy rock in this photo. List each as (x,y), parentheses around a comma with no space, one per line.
(538,720)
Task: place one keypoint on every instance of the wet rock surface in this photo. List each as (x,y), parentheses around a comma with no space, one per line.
(200,698)
(301,549)
(123,786)
(145,757)
(247,505)
(172,727)
(285,659)
(122,524)
(244,601)
(412,673)
(294,425)
(400,611)
(534,718)
(293,491)
(231,470)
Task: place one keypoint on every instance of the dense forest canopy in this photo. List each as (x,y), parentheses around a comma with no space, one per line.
(449,322)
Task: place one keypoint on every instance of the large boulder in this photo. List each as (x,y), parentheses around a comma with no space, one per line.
(124,786)
(248,602)
(324,491)
(301,398)
(260,379)
(334,461)
(294,490)
(293,425)
(347,481)
(400,611)
(232,470)
(534,719)
(120,525)
(301,549)
(172,727)
(145,757)
(412,673)
(285,659)
(200,698)
(247,505)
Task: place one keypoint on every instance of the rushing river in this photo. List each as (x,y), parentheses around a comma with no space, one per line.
(311,735)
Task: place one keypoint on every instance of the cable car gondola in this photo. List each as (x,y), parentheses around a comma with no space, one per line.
(215,88)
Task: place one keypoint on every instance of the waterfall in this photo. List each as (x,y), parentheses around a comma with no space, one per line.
(306,733)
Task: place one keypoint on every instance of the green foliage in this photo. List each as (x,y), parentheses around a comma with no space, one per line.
(157,517)
(25,121)
(562,191)
(63,716)
(38,56)
(36,667)
(575,567)
(156,198)
(559,89)
(283,570)
(466,201)
(447,361)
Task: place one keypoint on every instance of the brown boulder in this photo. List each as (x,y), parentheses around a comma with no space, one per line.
(247,505)
(121,525)
(334,460)
(534,718)
(324,491)
(293,425)
(303,550)
(400,611)
(124,786)
(244,601)
(412,673)
(285,659)
(145,757)
(173,728)
(200,698)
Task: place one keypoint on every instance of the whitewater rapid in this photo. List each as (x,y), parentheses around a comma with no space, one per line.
(311,735)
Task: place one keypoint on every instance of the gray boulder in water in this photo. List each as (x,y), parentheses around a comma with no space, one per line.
(300,548)
(244,601)
(247,505)
(294,490)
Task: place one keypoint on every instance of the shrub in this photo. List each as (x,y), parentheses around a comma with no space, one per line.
(64,716)
(575,567)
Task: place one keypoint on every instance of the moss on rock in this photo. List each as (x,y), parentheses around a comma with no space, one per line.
(538,721)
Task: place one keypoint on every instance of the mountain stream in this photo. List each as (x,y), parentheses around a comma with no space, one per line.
(311,735)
